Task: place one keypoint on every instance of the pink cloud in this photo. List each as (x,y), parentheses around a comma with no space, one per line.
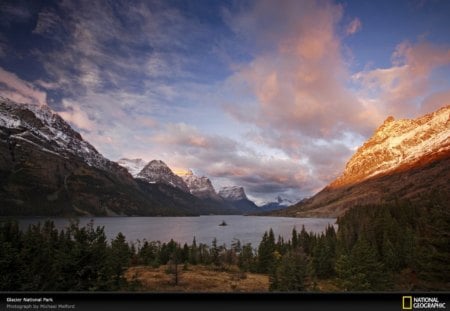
(19,90)
(180,133)
(354,26)
(76,116)
(400,89)
(300,85)
(435,101)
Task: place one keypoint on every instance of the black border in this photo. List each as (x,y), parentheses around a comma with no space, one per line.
(224,301)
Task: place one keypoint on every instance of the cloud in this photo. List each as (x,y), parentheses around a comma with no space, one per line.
(17,12)
(227,162)
(74,115)
(300,86)
(435,101)
(48,23)
(400,90)
(295,89)
(354,26)
(19,90)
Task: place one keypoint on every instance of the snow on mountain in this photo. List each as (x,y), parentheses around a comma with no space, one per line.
(399,143)
(41,126)
(233,193)
(134,166)
(157,171)
(277,204)
(283,202)
(200,186)
(403,160)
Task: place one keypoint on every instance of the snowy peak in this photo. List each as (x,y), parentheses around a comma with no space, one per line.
(279,203)
(188,173)
(45,129)
(397,144)
(200,186)
(157,171)
(233,193)
(134,166)
(284,202)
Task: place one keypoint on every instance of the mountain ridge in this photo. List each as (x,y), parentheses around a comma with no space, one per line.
(156,171)
(231,198)
(404,159)
(201,187)
(398,143)
(47,169)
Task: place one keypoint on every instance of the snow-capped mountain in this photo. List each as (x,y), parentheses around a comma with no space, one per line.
(236,196)
(48,169)
(277,204)
(134,166)
(157,171)
(200,186)
(398,143)
(404,159)
(233,193)
(40,126)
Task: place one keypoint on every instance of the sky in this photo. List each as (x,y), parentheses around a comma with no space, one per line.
(274,96)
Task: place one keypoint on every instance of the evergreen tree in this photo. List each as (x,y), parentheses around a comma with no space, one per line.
(119,259)
(294,239)
(246,260)
(291,273)
(193,253)
(266,249)
(215,251)
(364,271)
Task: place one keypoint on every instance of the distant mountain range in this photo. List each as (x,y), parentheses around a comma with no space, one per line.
(48,169)
(404,159)
(157,172)
(278,204)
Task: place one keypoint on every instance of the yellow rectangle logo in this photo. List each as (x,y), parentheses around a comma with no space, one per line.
(407,303)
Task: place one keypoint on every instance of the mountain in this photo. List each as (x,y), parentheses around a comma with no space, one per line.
(399,144)
(157,171)
(133,166)
(200,186)
(197,191)
(404,159)
(48,169)
(236,196)
(233,193)
(280,203)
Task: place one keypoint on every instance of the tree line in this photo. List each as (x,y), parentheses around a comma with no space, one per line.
(395,246)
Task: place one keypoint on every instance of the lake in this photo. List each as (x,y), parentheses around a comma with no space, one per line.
(248,229)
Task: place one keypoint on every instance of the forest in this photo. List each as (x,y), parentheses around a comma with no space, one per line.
(398,246)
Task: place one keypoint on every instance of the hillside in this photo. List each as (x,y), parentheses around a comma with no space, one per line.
(404,159)
(48,169)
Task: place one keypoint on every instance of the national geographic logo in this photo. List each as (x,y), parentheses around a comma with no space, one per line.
(422,303)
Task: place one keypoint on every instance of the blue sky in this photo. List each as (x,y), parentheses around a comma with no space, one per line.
(274,96)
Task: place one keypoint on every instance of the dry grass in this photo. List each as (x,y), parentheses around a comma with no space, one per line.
(198,279)
(325,286)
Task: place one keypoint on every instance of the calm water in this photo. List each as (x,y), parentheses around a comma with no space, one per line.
(248,229)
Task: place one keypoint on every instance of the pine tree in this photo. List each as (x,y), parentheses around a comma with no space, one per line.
(246,258)
(119,259)
(215,251)
(266,251)
(367,272)
(291,273)
(294,238)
